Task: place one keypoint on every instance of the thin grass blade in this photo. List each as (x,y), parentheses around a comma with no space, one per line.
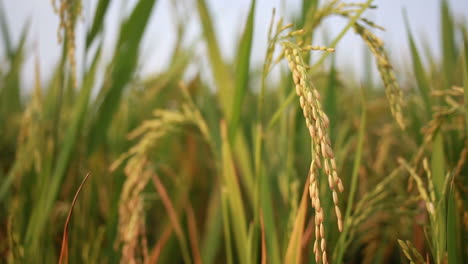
(124,65)
(419,71)
(64,250)
(453,229)
(236,205)
(465,81)
(97,25)
(223,79)
(342,241)
(173,217)
(449,50)
(242,71)
(293,250)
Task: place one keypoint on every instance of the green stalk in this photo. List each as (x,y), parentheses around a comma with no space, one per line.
(341,245)
(262,201)
(281,108)
(226,225)
(242,73)
(453,250)
(418,69)
(465,81)
(235,201)
(438,178)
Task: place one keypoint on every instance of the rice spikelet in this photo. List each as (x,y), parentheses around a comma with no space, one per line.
(322,156)
(392,88)
(68,11)
(137,169)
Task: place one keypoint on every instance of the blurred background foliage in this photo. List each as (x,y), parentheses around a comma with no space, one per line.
(182,170)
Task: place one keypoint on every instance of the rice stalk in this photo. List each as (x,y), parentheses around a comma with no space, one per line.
(427,198)
(410,252)
(392,88)
(139,173)
(322,156)
(69,12)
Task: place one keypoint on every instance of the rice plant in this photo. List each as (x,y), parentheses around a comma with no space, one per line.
(307,166)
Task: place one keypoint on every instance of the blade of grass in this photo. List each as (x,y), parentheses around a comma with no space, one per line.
(226,225)
(213,227)
(243,157)
(448,42)
(263,206)
(222,77)
(341,245)
(368,67)
(156,252)
(124,65)
(172,214)
(438,178)
(101,11)
(241,85)
(258,125)
(281,108)
(8,179)
(309,9)
(264,248)
(438,164)
(465,81)
(64,250)
(453,249)
(236,205)
(418,69)
(242,72)
(254,237)
(6,36)
(293,251)
(193,235)
(11,90)
(267,211)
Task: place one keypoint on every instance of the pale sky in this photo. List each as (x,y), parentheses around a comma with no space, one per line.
(229,17)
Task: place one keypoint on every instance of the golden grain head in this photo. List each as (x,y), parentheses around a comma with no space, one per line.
(317,123)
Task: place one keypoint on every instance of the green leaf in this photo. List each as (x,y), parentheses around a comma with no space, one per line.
(242,72)
(453,249)
(96,27)
(449,54)
(10,92)
(235,201)
(438,164)
(438,178)
(221,74)
(213,224)
(267,209)
(342,243)
(465,80)
(226,226)
(123,67)
(418,69)
(309,9)
(293,251)
(5,31)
